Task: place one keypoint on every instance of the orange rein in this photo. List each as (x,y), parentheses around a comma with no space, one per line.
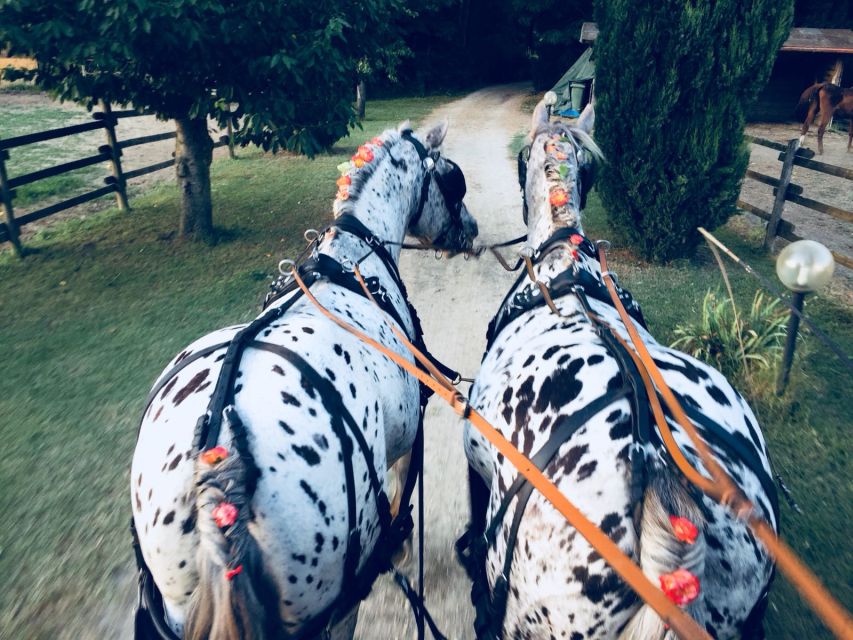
(629,571)
(722,488)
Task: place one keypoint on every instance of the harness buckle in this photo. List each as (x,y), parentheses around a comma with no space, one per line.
(429,164)
(311,235)
(285,267)
(612,276)
(348,265)
(603,243)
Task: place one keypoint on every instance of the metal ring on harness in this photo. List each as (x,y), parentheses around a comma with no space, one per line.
(311,235)
(285,267)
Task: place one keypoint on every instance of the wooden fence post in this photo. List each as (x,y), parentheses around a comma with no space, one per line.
(782,191)
(9,213)
(115,156)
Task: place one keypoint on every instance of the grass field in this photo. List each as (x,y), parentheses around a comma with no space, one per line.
(89,319)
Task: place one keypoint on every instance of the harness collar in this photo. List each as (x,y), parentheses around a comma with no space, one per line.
(519,301)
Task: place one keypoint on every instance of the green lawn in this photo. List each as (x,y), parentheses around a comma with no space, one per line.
(90,318)
(88,321)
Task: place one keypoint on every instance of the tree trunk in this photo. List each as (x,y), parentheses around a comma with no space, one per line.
(193,155)
(361,98)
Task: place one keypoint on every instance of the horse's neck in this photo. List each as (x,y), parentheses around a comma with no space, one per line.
(562,259)
(383,205)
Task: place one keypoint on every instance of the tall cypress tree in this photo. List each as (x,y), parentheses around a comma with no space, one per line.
(673,80)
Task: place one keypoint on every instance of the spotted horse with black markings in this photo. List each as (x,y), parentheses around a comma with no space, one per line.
(558,381)
(258,484)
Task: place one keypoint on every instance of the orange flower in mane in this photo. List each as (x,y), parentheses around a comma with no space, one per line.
(215,455)
(559,197)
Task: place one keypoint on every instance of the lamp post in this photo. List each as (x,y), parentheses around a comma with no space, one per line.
(803,267)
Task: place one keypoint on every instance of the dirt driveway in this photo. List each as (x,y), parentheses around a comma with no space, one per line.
(456,300)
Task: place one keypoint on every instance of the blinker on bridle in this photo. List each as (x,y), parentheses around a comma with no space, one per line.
(451,185)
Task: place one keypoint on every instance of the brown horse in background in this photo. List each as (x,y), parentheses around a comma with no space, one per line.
(830,99)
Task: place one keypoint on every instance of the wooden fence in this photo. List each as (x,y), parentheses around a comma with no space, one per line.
(785,191)
(111,152)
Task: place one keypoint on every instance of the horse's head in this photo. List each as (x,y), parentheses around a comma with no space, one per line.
(400,183)
(559,173)
(440,216)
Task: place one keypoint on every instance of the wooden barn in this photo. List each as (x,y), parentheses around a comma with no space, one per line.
(808,56)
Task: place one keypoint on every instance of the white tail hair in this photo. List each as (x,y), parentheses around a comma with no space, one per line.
(235,598)
(661,552)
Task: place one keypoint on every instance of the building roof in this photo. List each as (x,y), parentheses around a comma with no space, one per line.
(800,39)
(820,40)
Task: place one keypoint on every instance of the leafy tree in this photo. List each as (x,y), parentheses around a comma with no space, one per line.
(283,70)
(673,80)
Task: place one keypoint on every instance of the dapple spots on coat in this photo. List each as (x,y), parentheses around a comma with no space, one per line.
(525,396)
(560,388)
(175,462)
(623,428)
(717,394)
(168,387)
(290,399)
(587,470)
(191,386)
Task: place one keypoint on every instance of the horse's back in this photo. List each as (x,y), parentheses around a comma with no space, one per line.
(292,399)
(536,377)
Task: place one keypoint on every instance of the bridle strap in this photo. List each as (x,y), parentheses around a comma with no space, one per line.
(423,154)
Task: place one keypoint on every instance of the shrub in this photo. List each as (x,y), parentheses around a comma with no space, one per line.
(673,80)
(717,337)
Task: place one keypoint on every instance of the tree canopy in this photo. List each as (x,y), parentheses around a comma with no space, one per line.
(289,66)
(283,70)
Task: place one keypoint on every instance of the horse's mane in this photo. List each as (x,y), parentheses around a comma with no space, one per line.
(560,144)
(579,137)
(360,176)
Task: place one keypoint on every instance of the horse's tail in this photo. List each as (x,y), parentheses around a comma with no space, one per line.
(662,552)
(235,598)
(806,99)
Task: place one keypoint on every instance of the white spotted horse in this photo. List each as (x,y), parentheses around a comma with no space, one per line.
(258,483)
(565,391)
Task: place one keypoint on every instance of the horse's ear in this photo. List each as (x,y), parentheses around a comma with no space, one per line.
(586,120)
(435,136)
(540,119)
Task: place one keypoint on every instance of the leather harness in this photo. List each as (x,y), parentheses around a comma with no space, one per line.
(473,546)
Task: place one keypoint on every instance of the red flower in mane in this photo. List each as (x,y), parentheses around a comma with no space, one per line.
(680,586)
(224,514)
(683,529)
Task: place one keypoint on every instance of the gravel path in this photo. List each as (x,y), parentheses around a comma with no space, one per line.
(456,300)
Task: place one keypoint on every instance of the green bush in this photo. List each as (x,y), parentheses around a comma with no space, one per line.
(673,79)
(717,337)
